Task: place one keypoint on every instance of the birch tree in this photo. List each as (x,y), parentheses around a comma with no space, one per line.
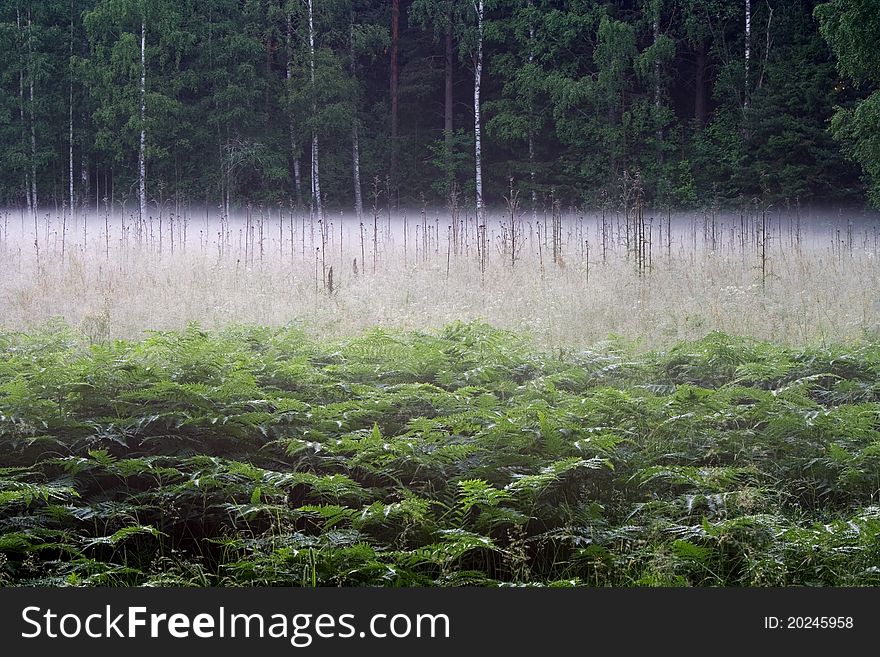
(395,43)
(657,81)
(448,60)
(478,142)
(468,17)
(316,177)
(21,103)
(142,150)
(33,123)
(192,96)
(748,52)
(355,141)
(138,116)
(70,117)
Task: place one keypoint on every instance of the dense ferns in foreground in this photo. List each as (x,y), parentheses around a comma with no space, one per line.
(260,457)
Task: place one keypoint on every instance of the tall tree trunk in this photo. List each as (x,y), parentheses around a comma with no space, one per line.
(657,89)
(760,82)
(700,86)
(142,151)
(356,169)
(23,124)
(656,26)
(748,52)
(70,152)
(225,174)
(447,101)
(532,173)
(316,178)
(70,116)
(355,143)
(294,145)
(34,201)
(478,146)
(395,38)
(297,173)
(84,189)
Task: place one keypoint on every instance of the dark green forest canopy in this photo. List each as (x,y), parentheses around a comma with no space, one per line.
(582,101)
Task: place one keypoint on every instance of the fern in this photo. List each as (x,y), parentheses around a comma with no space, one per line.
(260,456)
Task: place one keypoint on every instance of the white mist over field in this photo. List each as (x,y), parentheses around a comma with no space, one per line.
(569,278)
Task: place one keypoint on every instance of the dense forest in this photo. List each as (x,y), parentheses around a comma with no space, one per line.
(344,103)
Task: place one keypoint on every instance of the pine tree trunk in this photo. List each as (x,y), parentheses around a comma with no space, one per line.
(142,172)
(395,37)
(294,145)
(316,178)
(478,147)
(355,143)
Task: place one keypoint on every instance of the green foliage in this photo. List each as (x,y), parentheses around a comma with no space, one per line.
(261,457)
(575,95)
(851,29)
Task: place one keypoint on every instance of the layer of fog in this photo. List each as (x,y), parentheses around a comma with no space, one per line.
(568,277)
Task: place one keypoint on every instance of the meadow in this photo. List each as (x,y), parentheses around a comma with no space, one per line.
(558,399)
(565,277)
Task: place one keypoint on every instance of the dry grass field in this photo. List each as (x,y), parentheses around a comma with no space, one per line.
(565,278)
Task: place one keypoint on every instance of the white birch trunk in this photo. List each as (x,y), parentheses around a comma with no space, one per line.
(33,152)
(356,170)
(142,173)
(34,202)
(448,99)
(478,147)
(27,182)
(70,119)
(748,53)
(297,174)
(355,142)
(657,61)
(70,154)
(532,174)
(84,179)
(316,178)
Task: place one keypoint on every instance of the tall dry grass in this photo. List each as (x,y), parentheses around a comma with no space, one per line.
(574,279)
